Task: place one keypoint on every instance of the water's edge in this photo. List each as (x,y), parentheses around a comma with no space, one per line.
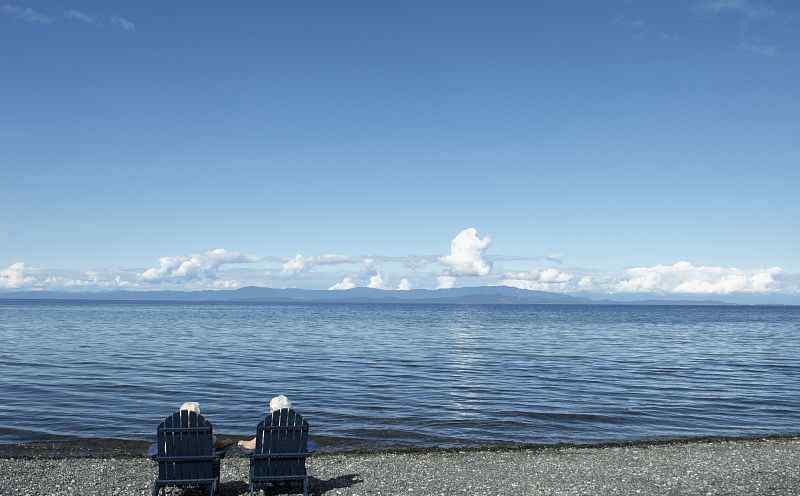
(60,447)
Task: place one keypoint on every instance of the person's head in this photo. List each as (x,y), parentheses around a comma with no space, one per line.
(279,403)
(191,406)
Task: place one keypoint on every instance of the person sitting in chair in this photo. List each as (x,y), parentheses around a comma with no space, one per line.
(277,403)
(191,406)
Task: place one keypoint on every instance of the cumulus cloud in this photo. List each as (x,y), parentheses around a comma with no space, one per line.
(346,283)
(123,23)
(91,279)
(445,282)
(20,276)
(376,281)
(684,277)
(544,275)
(545,279)
(16,276)
(404,285)
(300,263)
(181,269)
(227,284)
(586,283)
(466,256)
(295,265)
(118,282)
(26,14)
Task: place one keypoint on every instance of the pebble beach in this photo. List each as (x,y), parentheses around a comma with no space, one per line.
(722,467)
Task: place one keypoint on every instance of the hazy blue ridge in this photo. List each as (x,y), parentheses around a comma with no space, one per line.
(464,296)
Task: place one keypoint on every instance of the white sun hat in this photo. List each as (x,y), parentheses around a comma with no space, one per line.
(279,403)
(191,406)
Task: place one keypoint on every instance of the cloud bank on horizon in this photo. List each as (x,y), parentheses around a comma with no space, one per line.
(467,264)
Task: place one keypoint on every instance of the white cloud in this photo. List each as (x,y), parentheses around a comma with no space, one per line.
(555,258)
(542,280)
(416,262)
(554,276)
(684,277)
(746,8)
(524,284)
(296,264)
(630,23)
(466,255)
(224,269)
(302,263)
(445,282)
(545,275)
(181,269)
(16,276)
(123,23)
(90,279)
(26,14)
(227,284)
(23,277)
(346,283)
(760,49)
(376,281)
(77,15)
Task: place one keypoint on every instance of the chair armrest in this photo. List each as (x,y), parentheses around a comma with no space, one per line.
(264,456)
(152,452)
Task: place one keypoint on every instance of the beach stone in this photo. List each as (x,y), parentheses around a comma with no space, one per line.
(747,467)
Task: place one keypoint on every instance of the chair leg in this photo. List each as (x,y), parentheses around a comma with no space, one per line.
(156,490)
(212,489)
(305,486)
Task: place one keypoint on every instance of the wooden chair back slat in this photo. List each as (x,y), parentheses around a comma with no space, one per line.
(185,434)
(279,436)
(275,434)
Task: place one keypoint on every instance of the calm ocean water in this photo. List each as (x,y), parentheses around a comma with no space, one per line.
(416,375)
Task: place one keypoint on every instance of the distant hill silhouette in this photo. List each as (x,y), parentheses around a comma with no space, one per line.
(461,296)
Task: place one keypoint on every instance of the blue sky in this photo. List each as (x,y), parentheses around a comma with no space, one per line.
(615,135)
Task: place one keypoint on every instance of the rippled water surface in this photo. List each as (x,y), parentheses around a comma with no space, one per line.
(402,375)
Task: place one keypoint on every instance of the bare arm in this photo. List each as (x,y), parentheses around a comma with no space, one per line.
(251,444)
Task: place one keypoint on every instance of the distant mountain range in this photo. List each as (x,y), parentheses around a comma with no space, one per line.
(460,296)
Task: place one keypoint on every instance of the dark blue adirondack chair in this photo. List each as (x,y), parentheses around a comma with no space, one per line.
(185,453)
(281,451)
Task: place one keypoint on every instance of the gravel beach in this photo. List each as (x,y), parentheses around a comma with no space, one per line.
(746,467)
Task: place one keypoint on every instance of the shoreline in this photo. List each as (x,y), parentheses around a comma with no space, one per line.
(754,467)
(61,447)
